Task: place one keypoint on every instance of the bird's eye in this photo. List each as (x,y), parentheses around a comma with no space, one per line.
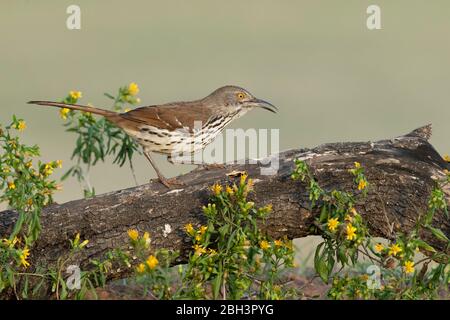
(240,96)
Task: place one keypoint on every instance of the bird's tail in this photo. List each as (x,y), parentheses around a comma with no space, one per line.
(102,112)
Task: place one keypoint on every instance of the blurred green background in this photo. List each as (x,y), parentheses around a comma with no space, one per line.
(332,78)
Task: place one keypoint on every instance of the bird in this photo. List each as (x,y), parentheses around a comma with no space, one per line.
(178,127)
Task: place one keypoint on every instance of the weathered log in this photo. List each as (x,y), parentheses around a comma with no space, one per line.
(401,172)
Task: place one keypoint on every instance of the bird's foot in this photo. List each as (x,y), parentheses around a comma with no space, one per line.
(171,183)
(212,166)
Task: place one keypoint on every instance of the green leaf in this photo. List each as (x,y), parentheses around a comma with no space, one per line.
(438,233)
(422,244)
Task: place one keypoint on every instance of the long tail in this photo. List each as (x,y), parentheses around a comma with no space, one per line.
(102,112)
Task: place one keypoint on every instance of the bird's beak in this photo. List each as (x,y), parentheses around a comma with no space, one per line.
(263,104)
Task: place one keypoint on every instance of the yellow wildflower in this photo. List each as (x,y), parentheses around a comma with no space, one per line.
(394,249)
(264,245)
(189,229)
(362,184)
(379,247)
(348,218)
(48,169)
(140,268)
(408,267)
(216,188)
(59,163)
(351,232)
(357,165)
(63,113)
(332,224)
(229,190)
(353,211)
(199,250)
(133,89)
(29,164)
(447,158)
(203,229)
(11,185)
(152,262)
(30,202)
(75,94)
(23,257)
(212,251)
(6,170)
(243,178)
(278,243)
(21,125)
(198,237)
(133,234)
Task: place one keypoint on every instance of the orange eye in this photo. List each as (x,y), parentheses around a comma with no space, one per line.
(240,95)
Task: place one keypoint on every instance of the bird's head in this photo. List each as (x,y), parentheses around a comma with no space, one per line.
(231,99)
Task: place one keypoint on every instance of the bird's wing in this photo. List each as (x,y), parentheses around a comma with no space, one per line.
(170,116)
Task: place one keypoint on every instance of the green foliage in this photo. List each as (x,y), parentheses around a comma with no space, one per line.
(231,257)
(99,138)
(26,187)
(346,239)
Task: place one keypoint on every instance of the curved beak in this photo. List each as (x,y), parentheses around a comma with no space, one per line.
(262,104)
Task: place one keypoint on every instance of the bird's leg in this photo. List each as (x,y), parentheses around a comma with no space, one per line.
(167,182)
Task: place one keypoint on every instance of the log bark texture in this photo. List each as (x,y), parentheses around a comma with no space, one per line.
(401,172)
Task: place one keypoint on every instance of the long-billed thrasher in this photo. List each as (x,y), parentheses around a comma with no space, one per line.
(178,127)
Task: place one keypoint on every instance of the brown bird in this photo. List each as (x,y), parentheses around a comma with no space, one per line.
(178,127)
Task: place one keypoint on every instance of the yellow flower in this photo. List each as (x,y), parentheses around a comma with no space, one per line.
(75,94)
(353,211)
(212,251)
(6,170)
(189,229)
(30,202)
(348,218)
(217,189)
(278,243)
(48,169)
(23,257)
(357,165)
(362,184)
(133,234)
(379,247)
(332,224)
(351,232)
(264,245)
(199,250)
(140,268)
(394,249)
(21,125)
(408,267)
(229,190)
(203,229)
(133,89)
(63,113)
(11,185)
(243,178)
(29,164)
(198,237)
(447,158)
(59,163)
(152,262)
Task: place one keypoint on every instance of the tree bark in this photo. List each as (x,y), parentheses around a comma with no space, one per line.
(401,172)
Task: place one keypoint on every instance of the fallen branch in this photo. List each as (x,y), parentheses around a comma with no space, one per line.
(401,172)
